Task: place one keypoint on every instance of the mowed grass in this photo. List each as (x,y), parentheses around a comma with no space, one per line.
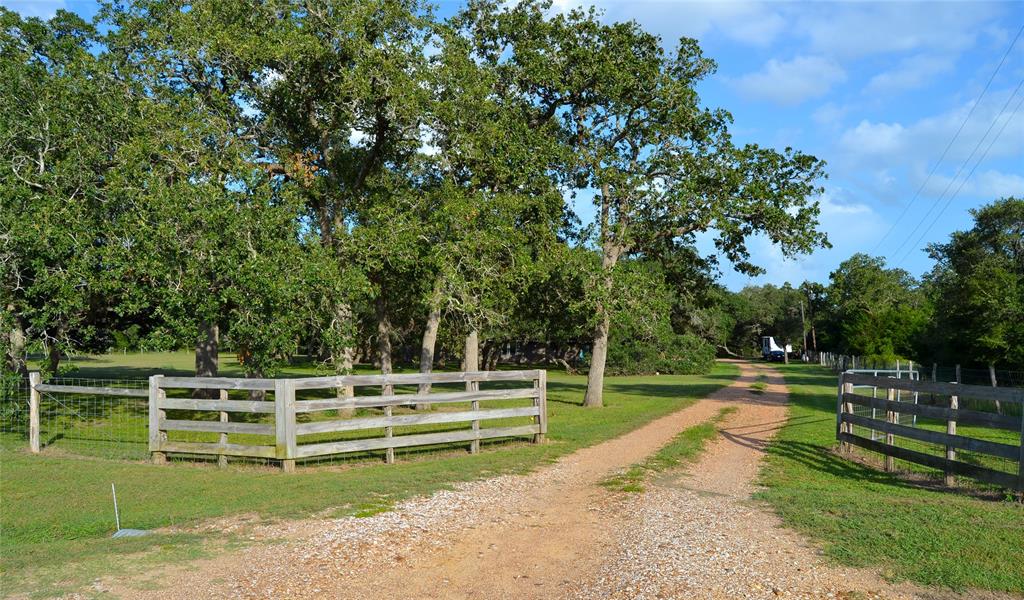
(57,515)
(865,517)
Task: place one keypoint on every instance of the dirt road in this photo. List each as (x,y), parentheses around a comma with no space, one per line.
(556,534)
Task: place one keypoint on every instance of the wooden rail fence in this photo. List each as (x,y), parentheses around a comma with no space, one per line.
(893,406)
(291,437)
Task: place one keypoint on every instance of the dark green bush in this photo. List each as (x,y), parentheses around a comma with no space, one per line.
(667,353)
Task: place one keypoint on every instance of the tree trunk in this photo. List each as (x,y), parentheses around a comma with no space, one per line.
(814,338)
(207,363)
(430,339)
(53,358)
(254,395)
(599,350)
(471,357)
(598,357)
(343,357)
(16,346)
(992,377)
(384,344)
(492,356)
(208,350)
(803,329)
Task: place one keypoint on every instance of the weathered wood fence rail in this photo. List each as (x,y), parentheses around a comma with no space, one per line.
(288,438)
(893,406)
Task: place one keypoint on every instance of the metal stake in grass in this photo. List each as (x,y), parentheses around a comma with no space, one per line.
(117,520)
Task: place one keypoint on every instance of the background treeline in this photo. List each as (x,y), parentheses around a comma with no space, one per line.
(365,181)
(969,309)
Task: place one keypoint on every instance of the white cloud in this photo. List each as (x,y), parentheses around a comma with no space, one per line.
(911,73)
(791,82)
(863,29)
(989,184)
(922,141)
(873,138)
(751,23)
(44,9)
(995,184)
(829,114)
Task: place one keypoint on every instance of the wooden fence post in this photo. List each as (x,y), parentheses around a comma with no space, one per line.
(1020,459)
(473,386)
(541,402)
(840,426)
(992,377)
(222,460)
(389,453)
(954,404)
(156,414)
(890,417)
(284,423)
(34,379)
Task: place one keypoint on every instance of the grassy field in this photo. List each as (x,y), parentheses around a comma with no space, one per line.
(865,517)
(57,515)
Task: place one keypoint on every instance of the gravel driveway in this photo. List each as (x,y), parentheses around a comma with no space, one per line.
(556,534)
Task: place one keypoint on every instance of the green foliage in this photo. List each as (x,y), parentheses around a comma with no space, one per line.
(643,340)
(668,353)
(63,117)
(311,178)
(876,311)
(977,286)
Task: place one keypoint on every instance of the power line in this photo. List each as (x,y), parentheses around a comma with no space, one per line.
(950,144)
(1009,118)
(958,171)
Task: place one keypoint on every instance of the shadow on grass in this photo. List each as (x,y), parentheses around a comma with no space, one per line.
(825,460)
(673,390)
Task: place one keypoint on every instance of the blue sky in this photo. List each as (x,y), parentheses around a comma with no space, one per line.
(878,90)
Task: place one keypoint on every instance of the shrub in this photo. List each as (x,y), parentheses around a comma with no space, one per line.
(667,353)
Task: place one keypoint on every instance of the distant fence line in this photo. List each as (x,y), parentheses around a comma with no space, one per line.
(995,437)
(930,371)
(198,416)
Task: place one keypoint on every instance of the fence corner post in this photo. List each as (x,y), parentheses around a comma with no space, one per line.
(542,405)
(891,417)
(34,379)
(284,423)
(1020,459)
(954,404)
(155,415)
(840,426)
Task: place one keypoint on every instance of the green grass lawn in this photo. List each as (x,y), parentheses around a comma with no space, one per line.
(57,515)
(864,517)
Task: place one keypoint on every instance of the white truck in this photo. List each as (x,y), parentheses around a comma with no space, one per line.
(772,351)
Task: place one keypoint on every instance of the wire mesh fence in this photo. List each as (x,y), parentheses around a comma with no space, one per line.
(96,425)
